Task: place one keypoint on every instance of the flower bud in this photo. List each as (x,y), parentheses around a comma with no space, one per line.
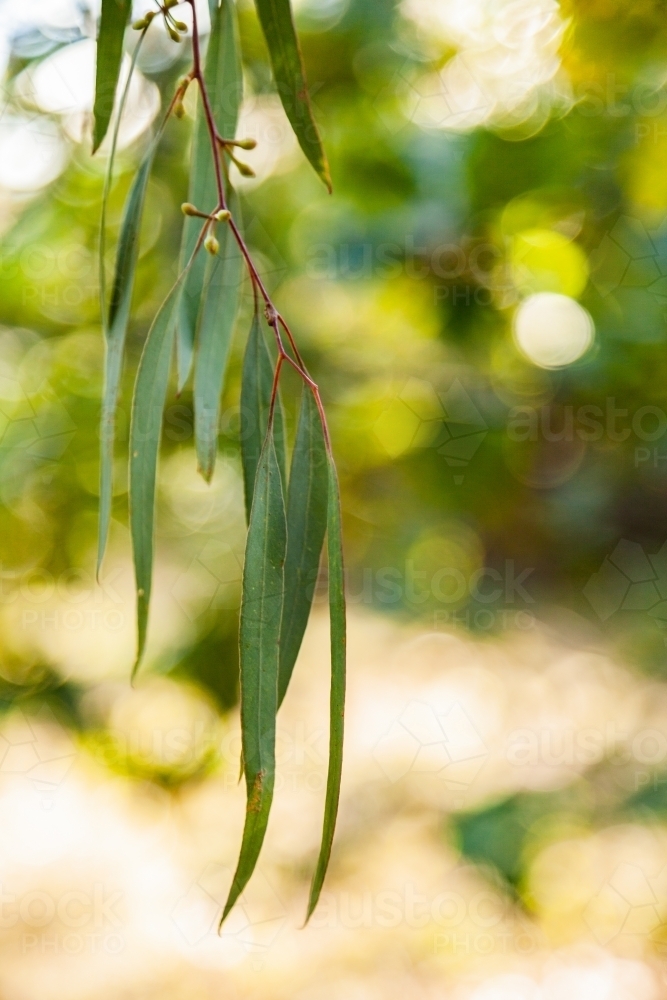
(188,209)
(174,35)
(180,26)
(211,244)
(179,109)
(222,216)
(140,25)
(171,3)
(246,143)
(244,169)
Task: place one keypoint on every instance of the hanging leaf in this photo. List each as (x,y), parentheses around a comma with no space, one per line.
(278,26)
(224,83)
(337,694)
(116,330)
(114,322)
(216,324)
(261,613)
(256,386)
(150,392)
(306,527)
(115,15)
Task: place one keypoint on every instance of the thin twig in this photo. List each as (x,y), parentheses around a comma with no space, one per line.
(274,319)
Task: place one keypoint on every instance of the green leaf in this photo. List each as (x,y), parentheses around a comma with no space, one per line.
(337,694)
(114,323)
(275,16)
(261,613)
(256,386)
(224,82)
(306,527)
(115,15)
(150,392)
(216,324)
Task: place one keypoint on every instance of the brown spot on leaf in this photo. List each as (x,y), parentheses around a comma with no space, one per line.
(255,797)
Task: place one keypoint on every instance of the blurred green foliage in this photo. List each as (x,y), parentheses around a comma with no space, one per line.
(401,289)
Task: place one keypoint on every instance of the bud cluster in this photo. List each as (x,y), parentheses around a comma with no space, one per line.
(171,24)
(222,215)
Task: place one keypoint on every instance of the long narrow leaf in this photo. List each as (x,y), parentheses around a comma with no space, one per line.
(306,527)
(256,385)
(261,612)
(275,16)
(115,15)
(337,695)
(116,320)
(216,324)
(224,82)
(150,393)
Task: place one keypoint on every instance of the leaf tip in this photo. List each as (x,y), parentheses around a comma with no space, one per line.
(206,472)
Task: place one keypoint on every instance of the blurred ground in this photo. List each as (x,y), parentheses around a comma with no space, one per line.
(493,840)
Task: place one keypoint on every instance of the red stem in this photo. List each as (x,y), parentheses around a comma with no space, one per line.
(274,319)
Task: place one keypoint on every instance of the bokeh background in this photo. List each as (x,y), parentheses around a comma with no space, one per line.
(484,302)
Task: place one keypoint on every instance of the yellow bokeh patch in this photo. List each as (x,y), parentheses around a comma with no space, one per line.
(545,261)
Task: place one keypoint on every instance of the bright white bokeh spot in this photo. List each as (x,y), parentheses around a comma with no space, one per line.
(505,70)
(64,84)
(32,153)
(262,118)
(553,330)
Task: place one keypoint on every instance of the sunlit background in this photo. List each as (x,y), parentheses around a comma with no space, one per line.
(484,302)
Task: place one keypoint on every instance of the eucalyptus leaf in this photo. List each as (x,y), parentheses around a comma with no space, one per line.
(224,275)
(256,386)
(223,76)
(115,320)
(113,21)
(150,392)
(306,527)
(275,17)
(261,614)
(337,692)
